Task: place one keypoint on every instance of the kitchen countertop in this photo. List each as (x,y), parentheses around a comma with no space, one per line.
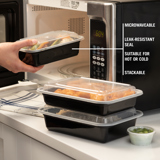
(79,148)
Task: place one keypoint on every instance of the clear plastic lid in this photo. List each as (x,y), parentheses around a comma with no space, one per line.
(112,119)
(51,40)
(87,88)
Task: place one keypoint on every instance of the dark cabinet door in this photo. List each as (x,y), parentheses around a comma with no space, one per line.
(11,29)
(141,70)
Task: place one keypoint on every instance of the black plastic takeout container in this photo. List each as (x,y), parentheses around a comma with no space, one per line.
(88,105)
(97,128)
(51,47)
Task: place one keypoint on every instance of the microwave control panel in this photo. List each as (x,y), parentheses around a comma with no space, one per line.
(98,55)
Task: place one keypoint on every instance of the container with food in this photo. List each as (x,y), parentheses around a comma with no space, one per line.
(141,135)
(90,95)
(52,46)
(98,128)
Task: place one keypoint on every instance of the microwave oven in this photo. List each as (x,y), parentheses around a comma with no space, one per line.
(121,41)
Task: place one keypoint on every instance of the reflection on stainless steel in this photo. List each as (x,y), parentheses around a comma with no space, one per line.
(2,29)
(75,70)
(106,12)
(28,59)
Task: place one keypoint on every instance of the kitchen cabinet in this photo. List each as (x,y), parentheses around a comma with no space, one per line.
(26,137)
(15,145)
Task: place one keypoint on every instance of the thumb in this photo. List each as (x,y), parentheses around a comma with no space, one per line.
(24,43)
(28,68)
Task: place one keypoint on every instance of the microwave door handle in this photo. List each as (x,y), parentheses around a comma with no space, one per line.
(109,20)
(9,24)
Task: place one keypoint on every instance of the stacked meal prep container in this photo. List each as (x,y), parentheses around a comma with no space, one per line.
(51,46)
(89,108)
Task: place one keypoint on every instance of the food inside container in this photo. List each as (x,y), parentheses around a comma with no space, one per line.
(96,91)
(50,40)
(91,89)
(51,46)
(93,127)
(90,95)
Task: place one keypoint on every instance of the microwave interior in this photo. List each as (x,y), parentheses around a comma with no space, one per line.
(41,19)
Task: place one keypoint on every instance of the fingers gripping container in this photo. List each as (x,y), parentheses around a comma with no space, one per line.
(90,95)
(97,128)
(52,46)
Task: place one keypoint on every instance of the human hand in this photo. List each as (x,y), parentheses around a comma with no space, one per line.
(9,56)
